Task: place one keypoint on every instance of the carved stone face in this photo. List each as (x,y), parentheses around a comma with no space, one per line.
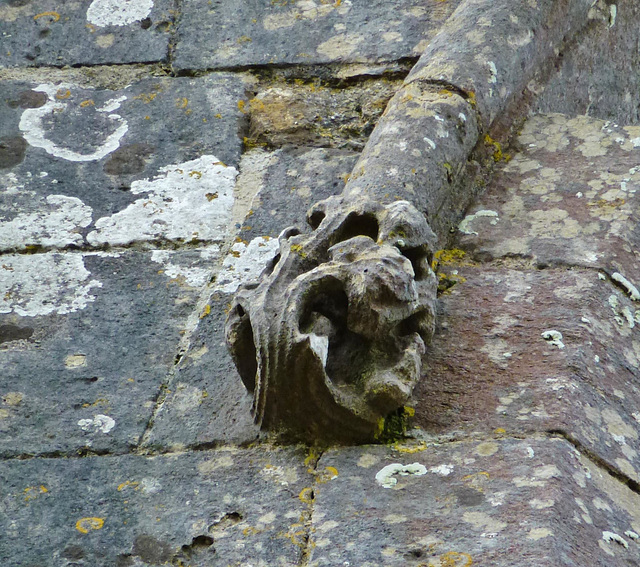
(331,339)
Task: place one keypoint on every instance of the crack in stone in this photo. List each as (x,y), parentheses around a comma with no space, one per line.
(596,459)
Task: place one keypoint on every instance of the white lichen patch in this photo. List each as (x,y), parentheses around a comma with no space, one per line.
(553,337)
(220,462)
(100,423)
(187,201)
(281,475)
(386,476)
(614,537)
(45,283)
(465,226)
(75,360)
(181,269)
(631,289)
(442,470)
(340,46)
(538,504)
(493,72)
(367,460)
(245,263)
(56,226)
(487,449)
(35,132)
(103,13)
(304,10)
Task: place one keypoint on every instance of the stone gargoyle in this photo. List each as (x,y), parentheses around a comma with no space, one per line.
(331,338)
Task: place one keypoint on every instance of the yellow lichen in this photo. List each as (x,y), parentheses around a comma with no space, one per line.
(84,525)
(306,495)
(53,15)
(329,473)
(32,492)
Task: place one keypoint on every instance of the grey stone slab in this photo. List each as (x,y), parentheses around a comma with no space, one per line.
(42,32)
(153,161)
(229,507)
(569,196)
(225,34)
(490,369)
(498,503)
(293,179)
(206,402)
(86,340)
(597,75)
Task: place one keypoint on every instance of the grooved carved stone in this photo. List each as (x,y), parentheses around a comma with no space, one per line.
(331,339)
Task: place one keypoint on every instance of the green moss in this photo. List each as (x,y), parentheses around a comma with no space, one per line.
(394,427)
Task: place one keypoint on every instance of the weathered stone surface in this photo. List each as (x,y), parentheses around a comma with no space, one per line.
(420,151)
(84,32)
(206,402)
(310,32)
(330,341)
(583,381)
(312,114)
(86,340)
(286,183)
(585,219)
(598,74)
(491,50)
(154,161)
(227,507)
(497,502)
(490,368)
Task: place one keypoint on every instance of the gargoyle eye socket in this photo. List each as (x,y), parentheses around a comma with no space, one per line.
(357,225)
(420,261)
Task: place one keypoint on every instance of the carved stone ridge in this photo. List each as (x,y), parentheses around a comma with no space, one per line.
(331,339)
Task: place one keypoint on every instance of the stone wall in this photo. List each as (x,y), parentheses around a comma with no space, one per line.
(150,154)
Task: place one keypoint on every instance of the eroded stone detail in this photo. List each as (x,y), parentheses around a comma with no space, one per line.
(331,340)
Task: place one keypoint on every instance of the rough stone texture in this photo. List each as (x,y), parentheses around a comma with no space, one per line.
(491,50)
(227,507)
(534,217)
(71,346)
(490,368)
(587,81)
(206,402)
(420,151)
(222,34)
(588,219)
(289,182)
(83,336)
(142,153)
(85,32)
(305,114)
(496,502)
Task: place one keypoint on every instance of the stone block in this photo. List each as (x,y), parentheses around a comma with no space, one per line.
(222,35)
(86,341)
(228,507)
(151,162)
(495,502)
(98,32)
